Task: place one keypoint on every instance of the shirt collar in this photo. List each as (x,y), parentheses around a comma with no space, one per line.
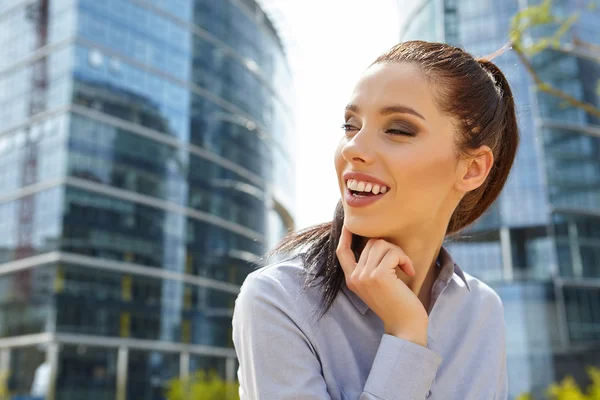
(445,262)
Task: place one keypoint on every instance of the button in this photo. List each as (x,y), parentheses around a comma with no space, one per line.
(428,393)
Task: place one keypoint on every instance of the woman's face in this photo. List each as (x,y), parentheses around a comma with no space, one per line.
(396,142)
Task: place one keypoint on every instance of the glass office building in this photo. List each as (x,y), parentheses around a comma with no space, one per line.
(539,245)
(145,163)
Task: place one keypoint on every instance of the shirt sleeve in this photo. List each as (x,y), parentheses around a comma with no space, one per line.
(278,361)
(502,390)
(402,370)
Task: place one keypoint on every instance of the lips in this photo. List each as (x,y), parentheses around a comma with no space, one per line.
(363,189)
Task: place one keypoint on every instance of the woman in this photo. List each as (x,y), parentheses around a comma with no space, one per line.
(373,307)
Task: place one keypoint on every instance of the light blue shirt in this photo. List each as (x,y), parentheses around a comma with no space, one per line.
(285,353)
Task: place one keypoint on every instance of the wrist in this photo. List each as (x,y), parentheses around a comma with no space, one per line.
(417,337)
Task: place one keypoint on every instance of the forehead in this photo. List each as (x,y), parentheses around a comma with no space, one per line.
(394,83)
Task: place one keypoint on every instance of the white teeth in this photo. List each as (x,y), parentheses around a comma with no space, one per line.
(359,186)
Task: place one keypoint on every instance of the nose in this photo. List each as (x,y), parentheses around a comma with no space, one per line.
(359,149)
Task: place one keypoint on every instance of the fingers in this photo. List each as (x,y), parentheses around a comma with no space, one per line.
(377,253)
(344,252)
(386,255)
(396,258)
(364,256)
(379,248)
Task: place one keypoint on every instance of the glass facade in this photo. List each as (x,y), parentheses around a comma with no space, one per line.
(539,244)
(146,162)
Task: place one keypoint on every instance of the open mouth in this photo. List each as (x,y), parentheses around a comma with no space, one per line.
(365,189)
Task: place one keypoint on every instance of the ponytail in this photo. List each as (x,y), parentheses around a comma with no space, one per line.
(502,135)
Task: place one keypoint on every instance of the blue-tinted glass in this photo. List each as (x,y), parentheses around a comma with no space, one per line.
(573,163)
(204,364)
(106,154)
(583,313)
(31,225)
(578,241)
(532,327)
(26,368)
(25,303)
(86,373)
(115,229)
(141,307)
(479,254)
(108,84)
(178,135)
(22,96)
(149,374)
(20,30)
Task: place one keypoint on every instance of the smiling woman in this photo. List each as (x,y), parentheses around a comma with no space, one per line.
(430,136)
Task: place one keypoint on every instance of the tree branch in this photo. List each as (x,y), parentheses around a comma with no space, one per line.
(547,88)
(578,42)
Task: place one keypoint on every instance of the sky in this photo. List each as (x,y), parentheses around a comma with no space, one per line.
(331,43)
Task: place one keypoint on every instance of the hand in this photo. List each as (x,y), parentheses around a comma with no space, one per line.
(375,281)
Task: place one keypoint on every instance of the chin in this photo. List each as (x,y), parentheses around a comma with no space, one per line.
(368,227)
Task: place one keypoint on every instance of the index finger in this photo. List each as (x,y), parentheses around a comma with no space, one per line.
(344,252)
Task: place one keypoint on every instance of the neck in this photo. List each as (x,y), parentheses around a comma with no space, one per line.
(423,250)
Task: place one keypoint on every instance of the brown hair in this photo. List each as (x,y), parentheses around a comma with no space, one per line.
(472,90)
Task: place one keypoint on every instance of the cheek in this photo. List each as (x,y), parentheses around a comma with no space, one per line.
(425,170)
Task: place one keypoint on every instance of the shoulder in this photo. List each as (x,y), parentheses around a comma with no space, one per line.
(279,284)
(283,276)
(483,294)
(484,305)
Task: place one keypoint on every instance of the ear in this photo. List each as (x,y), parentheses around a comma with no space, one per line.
(474,170)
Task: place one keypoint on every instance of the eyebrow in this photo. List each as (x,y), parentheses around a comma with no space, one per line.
(394,109)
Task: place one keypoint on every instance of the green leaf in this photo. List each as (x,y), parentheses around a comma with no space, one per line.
(203,386)
(566,390)
(533,16)
(524,396)
(593,389)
